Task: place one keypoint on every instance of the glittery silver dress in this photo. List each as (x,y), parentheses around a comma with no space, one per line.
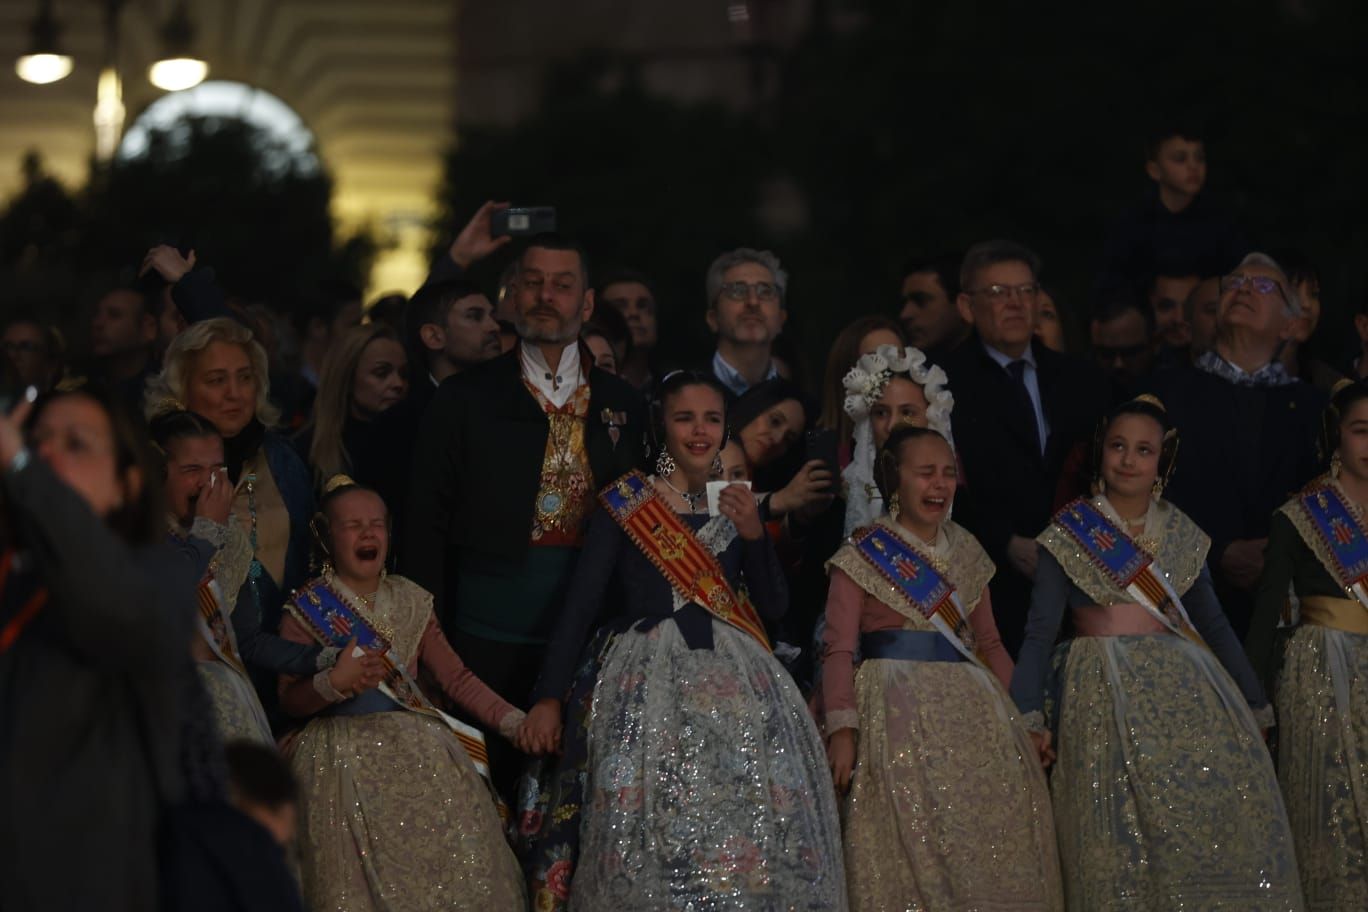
(707,781)
(393,816)
(948,808)
(1164,791)
(238,714)
(1322,702)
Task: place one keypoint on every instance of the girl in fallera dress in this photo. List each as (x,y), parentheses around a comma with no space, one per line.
(1164,791)
(394,813)
(1317,544)
(200,498)
(946,806)
(704,784)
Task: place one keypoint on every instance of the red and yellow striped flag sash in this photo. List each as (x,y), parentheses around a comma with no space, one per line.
(677,553)
(215,623)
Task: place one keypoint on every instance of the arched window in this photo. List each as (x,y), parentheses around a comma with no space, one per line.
(223,99)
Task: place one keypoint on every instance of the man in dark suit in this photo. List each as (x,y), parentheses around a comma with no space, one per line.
(510,456)
(1020,411)
(449,327)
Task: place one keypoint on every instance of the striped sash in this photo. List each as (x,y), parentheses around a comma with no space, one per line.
(333,621)
(1127,565)
(214,625)
(677,553)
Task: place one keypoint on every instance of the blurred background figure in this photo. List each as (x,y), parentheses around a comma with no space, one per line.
(36,352)
(929,317)
(365,374)
(631,294)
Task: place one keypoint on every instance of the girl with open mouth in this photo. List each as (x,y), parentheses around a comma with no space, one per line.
(395,813)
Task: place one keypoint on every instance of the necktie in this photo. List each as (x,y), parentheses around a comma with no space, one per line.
(1018,371)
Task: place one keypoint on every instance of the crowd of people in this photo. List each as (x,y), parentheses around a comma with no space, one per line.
(471,600)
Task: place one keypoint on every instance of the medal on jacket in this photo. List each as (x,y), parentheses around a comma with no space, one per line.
(615,421)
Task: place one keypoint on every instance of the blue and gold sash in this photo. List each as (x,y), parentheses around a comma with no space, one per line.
(917,583)
(334,621)
(1342,538)
(1128,566)
(677,553)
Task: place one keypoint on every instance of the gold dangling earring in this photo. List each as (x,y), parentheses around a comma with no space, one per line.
(1335,464)
(894,507)
(1157,489)
(1099,486)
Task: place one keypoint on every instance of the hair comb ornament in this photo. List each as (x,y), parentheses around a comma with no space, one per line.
(338,481)
(1151,399)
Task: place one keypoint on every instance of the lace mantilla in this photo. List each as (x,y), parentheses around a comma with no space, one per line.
(864,385)
(1178,546)
(961,558)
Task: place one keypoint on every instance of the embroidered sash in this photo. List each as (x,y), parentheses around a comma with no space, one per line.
(214,625)
(1343,544)
(333,622)
(676,552)
(918,584)
(1130,568)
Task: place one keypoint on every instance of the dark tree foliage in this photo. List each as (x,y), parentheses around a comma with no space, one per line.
(253,210)
(925,127)
(248,205)
(640,181)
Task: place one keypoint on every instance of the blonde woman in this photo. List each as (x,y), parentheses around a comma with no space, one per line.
(365,373)
(218,370)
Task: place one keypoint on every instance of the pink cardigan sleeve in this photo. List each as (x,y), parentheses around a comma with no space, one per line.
(844,601)
(987,642)
(461,685)
(299,696)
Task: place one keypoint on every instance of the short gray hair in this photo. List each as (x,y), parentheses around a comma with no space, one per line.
(745,255)
(1294,308)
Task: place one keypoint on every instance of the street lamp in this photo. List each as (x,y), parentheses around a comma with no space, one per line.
(178,69)
(44,63)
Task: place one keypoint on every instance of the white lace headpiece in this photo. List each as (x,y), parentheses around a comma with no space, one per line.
(864,385)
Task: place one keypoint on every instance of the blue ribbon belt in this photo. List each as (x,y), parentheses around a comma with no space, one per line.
(372,701)
(909,646)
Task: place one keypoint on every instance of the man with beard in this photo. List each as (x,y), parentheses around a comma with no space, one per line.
(510,456)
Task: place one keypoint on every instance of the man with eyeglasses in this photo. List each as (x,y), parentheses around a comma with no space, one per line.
(746,311)
(1020,409)
(1248,428)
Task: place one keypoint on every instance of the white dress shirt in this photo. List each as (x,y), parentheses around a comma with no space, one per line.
(558,386)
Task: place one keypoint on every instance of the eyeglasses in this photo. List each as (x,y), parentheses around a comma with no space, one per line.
(1260,284)
(740,291)
(23,347)
(999,294)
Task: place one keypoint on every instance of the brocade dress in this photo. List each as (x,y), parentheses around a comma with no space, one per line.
(238,714)
(948,808)
(1322,704)
(394,817)
(706,785)
(1164,791)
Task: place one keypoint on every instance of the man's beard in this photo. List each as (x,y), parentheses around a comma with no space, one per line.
(548,336)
